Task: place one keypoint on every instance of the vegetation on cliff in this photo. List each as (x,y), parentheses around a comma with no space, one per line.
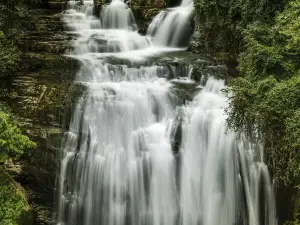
(14,207)
(220,24)
(12,141)
(262,37)
(268,93)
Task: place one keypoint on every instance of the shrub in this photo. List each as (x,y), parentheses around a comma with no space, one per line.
(12,141)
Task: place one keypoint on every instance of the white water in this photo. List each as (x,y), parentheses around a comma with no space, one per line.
(171,27)
(117,163)
(222,176)
(118,15)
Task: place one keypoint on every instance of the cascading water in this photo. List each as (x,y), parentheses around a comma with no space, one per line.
(223,178)
(118,166)
(172,27)
(118,15)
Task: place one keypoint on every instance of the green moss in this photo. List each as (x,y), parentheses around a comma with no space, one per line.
(14,208)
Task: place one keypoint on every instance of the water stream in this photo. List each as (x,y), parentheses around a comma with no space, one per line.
(119,165)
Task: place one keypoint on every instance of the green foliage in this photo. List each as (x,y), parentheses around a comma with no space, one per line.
(271,110)
(12,141)
(221,23)
(296,221)
(265,102)
(13,201)
(273,49)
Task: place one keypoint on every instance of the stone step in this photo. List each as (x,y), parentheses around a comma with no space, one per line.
(58,47)
(49,64)
(46,38)
(34,94)
(42,23)
(54,17)
(44,26)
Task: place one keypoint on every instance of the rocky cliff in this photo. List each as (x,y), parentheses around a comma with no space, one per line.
(36,93)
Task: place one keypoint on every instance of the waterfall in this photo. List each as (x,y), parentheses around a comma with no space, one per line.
(222,175)
(118,159)
(172,27)
(118,15)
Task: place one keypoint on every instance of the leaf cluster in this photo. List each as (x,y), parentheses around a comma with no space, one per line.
(12,141)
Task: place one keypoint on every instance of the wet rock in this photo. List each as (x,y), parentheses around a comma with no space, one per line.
(144,15)
(98,6)
(183,90)
(196,44)
(145,10)
(173,3)
(176,132)
(57,5)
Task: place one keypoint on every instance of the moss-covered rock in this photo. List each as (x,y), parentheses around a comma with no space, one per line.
(14,206)
(219,25)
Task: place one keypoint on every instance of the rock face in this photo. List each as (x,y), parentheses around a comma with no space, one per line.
(145,10)
(37,94)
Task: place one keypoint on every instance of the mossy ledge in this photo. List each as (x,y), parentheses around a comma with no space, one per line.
(14,206)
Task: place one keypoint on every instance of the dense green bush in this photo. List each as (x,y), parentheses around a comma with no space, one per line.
(270,109)
(268,93)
